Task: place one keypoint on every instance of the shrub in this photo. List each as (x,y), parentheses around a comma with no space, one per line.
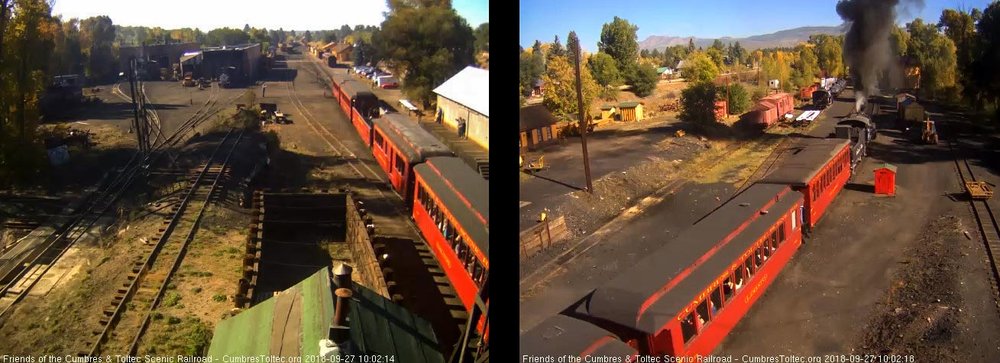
(171,299)
(698,103)
(219,297)
(739,99)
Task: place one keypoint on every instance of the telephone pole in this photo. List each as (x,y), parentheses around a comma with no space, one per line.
(577,54)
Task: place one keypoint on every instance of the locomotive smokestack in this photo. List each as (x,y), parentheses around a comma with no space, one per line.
(867,48)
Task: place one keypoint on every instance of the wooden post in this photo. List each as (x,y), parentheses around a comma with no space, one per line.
(548,233)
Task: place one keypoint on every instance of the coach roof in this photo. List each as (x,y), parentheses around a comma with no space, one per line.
(621,300)
(463,192)
(805,160)
(410,139)
(562,335)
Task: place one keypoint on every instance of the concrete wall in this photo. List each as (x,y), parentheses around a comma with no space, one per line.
(477,124)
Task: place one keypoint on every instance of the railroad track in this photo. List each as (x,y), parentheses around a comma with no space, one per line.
(338,147)
(765,167)
(986,220)
(28,270)
(128,315)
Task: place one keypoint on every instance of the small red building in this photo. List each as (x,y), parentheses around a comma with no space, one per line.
(885,180)
(721,110)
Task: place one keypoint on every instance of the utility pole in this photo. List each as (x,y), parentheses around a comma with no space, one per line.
(577,54)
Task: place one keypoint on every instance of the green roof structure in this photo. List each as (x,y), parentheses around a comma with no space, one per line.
(294,321)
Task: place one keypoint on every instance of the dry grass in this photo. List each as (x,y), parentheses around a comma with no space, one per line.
(63,321)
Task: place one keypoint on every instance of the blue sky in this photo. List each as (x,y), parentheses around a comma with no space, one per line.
(543,19)
(211,14)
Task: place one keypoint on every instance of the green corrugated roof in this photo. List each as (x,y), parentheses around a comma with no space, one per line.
(661,70)
(628,104)
(378,326)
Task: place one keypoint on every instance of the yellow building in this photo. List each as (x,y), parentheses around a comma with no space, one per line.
(463,103)
(630,111)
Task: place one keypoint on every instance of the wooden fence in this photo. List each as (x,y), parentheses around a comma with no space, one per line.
(543,236)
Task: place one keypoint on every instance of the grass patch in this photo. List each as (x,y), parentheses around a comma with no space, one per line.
(219,297)
(171,299)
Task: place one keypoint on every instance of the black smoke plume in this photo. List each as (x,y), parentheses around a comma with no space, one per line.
(867,49)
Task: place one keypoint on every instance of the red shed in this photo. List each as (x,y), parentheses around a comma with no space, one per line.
(885,179)
(721,110)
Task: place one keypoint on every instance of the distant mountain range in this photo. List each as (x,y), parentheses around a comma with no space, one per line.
(782,38)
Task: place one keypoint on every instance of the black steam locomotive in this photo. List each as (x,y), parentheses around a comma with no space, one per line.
(860,129)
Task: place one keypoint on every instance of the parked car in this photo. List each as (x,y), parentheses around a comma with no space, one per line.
(387,82)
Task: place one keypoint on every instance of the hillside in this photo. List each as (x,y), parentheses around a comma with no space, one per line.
(782,38)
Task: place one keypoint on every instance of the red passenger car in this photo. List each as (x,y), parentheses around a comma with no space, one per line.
(358,103)
(684,298)
(561,335)
(817,168)
(451,209)
(398,144)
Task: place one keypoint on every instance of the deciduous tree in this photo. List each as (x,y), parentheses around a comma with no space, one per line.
(427,43)
(560,88)
(605,70)
(699,67)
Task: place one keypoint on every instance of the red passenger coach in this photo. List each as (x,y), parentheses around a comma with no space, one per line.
(684,298)
(358,103)
(398,144)
(561,335)
(451,209)
(818,169)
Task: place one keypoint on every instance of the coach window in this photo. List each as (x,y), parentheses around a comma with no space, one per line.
(728,287)
(687,328)
(460,249)
(470,262)
(378,140)
(765,247)
(399,164)
(477,274)
(716,301)
(781,230)
(739,278)
(748,267)
(703,315)
(758,259)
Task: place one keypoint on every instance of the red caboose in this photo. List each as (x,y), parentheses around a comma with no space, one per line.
(684,298)
(398,144)
(817,168)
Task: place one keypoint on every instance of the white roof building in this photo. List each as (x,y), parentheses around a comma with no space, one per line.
(464,103)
